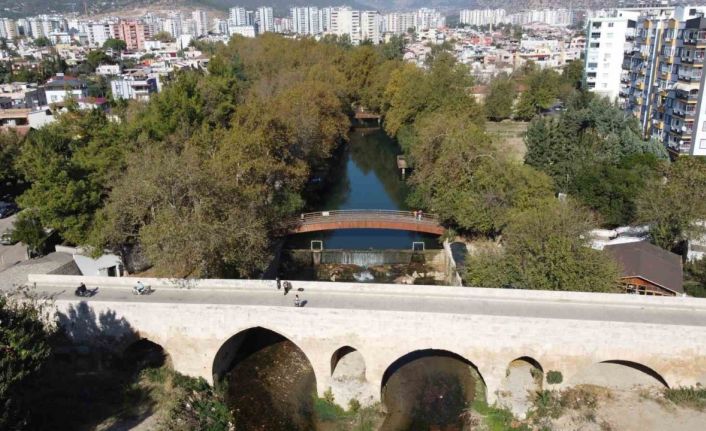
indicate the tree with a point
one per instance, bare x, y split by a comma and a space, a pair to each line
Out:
42, 42
412, 92
612, 190
70, 165
485, 186
29, 230
24, 350
676, 207
545, 247
498, 103
541, 93
115, 44
9, 152
95, 58
591, 130
163, 37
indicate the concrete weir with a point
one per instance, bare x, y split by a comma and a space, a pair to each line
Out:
362, 330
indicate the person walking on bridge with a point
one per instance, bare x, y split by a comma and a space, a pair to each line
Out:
297, 302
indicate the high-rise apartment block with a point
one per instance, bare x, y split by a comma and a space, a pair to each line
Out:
133, 33
607, 40
663, 78
265, 20
481, 17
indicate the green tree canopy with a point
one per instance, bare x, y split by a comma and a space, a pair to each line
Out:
70, 165
498, 103
591, 130
484, 187
412, 92
24, 350
115, 44
542, 91
545, 247
675, 208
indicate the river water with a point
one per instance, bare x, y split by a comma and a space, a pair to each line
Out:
365, 177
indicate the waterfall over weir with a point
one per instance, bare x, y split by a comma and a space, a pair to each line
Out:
364, 258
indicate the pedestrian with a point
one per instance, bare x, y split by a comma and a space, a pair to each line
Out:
279, 283
421, 215
297, 303
287, 287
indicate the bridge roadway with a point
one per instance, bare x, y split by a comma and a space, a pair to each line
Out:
382, 297
200, 325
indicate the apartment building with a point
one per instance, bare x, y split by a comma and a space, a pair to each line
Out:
607, 40
663, 80
133, 33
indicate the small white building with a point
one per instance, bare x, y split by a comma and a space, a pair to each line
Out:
137, 87
60, 88
108, 70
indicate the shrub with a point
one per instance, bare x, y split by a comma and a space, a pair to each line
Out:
554, 377
692, 396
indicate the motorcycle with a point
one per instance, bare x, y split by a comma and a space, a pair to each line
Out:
147, 290
83, 292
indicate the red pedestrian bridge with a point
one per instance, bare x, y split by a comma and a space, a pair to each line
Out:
366, 219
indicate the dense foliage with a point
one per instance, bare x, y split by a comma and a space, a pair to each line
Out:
675, 207
24, 349
545, 247
595, 151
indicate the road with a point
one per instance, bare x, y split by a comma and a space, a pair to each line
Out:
10, 254
378, 299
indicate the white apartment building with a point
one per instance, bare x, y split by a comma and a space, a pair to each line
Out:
425, 19
8, 28
306, 20
349, 23
398, 22
200, 19
481, 17
606, 41
265, 20
371, 26
237, 16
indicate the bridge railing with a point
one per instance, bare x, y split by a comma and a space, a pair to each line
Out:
322, 216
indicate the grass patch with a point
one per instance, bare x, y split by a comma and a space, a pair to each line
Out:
355, 418
494, 418
692, 397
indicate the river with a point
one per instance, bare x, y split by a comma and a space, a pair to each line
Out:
365, 177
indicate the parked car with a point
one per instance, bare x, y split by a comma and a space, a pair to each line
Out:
6, 238
7, 209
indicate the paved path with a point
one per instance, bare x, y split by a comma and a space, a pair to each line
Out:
376, 299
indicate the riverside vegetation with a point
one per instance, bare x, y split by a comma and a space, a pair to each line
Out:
200, 180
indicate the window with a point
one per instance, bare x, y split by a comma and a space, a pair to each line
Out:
595, 45
702, 144
610, 24
703, 126
592, 65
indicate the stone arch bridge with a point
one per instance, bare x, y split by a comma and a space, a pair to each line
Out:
197, 322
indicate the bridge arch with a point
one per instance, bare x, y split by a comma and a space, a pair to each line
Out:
144, 353
349, 377
619, 374
430, 383
231, 349
524, 377
268, 378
